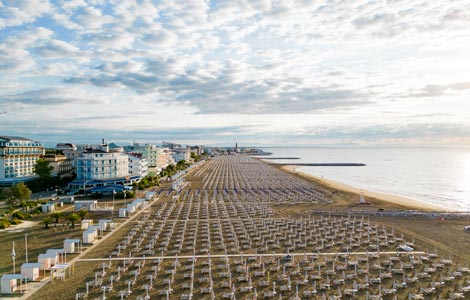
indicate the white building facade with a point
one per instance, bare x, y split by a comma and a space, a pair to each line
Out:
101, 165
17, 159
137, 166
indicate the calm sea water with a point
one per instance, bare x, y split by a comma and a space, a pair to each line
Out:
432, 175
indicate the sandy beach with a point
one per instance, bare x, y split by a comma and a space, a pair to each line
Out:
370, 196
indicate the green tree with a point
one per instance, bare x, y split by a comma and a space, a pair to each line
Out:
82, 213
73, 217
57, 215
43, 169
5, 195
181, 165
20, 192
47, 220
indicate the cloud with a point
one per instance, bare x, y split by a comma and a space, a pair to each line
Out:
24, 11
56, 49
91, 18
439, 90
293, 68
52, 96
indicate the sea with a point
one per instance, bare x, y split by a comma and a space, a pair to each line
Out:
431, 175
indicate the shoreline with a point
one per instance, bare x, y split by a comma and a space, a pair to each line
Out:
371, 196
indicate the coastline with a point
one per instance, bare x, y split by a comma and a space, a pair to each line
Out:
374, 197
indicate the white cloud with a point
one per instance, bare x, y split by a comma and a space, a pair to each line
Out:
23, 11
91, 18
295, 68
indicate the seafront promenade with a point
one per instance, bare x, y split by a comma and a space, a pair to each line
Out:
224, 236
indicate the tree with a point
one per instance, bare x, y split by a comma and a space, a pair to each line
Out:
57, 215
82, 213
47, 220
73, 217
43, 169
5, 194
181, 165
20, 192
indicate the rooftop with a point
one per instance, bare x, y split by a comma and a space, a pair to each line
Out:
14, 138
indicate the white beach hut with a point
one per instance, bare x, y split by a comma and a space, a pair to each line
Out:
131, 207
105, 224
122, 212
9, 283
90, 235
47, 208
47, 260
89, 205
72, 245
30, 271
86, 223
150, 196
60, 254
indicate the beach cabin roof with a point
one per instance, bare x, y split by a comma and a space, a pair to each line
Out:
30, 265
12, 276
85, 201
72, 241
48, 255
51, 251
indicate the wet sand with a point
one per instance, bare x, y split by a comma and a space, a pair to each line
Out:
369, 196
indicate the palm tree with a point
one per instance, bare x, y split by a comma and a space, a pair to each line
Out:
82, 213
73, 217
57, 215
47, 220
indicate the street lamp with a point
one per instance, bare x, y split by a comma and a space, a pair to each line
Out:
26, 245
112, 211
13, 256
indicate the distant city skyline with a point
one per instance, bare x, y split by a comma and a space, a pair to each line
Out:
364, 73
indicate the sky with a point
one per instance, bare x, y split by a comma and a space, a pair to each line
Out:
354, 72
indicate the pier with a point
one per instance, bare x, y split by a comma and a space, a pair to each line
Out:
279, 158
322, 164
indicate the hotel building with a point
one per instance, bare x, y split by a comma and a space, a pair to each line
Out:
18, 156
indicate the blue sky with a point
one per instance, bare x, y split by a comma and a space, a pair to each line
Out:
257, 72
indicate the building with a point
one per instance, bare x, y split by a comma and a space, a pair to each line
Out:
137, 165
89, 205
63, 166
181, 153
164, 159
18, 156
157, 158
197, 150
170, 145
100, 167
69, 150
178, 156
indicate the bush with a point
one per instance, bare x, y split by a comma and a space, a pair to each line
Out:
21, 215
36, 211
31, 204
130, 194
97, 195
15, 221
4, 224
